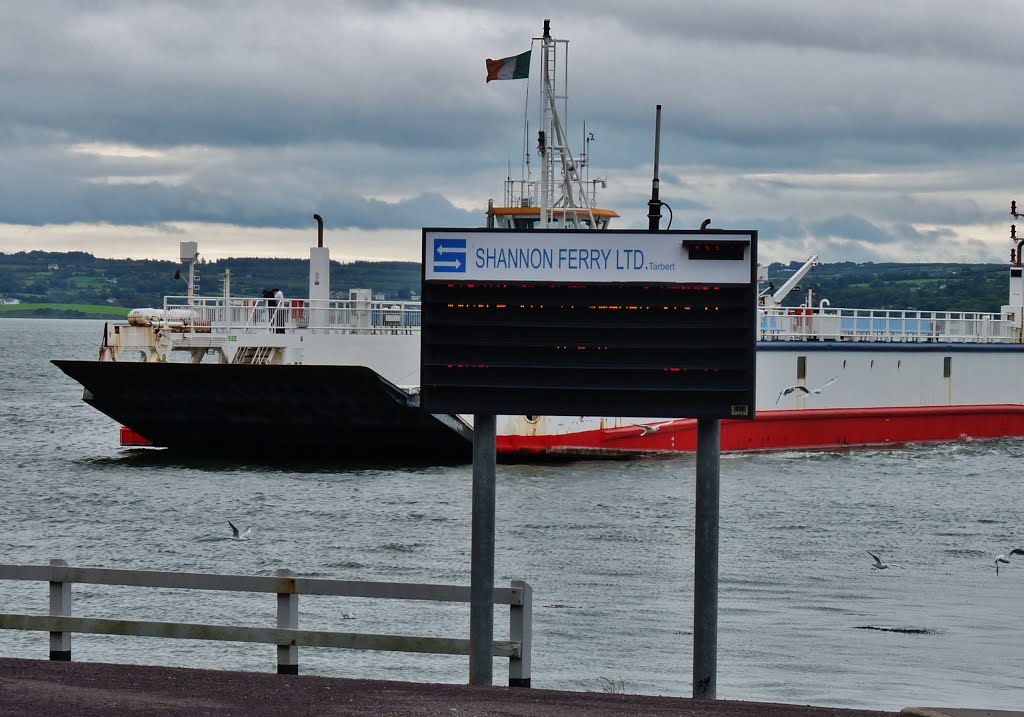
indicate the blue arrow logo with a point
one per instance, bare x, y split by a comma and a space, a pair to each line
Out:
450, 256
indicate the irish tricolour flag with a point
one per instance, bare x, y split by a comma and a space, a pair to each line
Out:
516, 67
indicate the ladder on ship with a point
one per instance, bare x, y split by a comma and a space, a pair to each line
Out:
257, 355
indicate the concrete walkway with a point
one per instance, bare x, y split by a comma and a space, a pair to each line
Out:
957, 712
37, 688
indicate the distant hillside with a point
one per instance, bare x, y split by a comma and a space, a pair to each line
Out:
80, 278
924, 287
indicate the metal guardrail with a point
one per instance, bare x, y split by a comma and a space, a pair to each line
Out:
286, 635
219, 315
836, 324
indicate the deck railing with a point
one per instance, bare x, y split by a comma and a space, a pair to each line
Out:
286, 635
835, 324
219, 315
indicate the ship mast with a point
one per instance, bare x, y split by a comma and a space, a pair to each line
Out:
551, 138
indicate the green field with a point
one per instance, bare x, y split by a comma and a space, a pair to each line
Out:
62, 311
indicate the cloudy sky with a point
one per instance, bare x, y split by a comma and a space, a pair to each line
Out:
869, 130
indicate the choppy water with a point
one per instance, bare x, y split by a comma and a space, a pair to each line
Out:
607, 546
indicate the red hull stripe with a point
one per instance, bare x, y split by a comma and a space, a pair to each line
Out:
131, 438
779, 430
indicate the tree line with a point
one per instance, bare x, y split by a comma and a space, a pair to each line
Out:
892, 286
81, 278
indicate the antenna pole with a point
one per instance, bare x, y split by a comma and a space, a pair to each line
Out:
545, 125
654, 205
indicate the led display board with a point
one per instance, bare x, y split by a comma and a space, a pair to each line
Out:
589, 323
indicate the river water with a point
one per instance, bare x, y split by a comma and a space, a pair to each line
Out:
607, 547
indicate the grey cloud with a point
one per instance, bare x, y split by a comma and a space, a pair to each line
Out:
856, 251
851, 227
939, 28
931, 237
376, 113
51, 188
235, 74
952, 211
144, 204
769, 229
979, 252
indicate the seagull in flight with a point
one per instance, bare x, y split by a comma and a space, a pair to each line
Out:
647, 429
879, 565
825, 385
235, 535
1001, 559
804, 391
1005, 560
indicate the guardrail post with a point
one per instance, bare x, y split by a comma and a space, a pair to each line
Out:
520, 627
705, 558
60, 604
481, 569
287, 617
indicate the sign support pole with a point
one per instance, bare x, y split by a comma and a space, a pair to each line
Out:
481, 581
705, 559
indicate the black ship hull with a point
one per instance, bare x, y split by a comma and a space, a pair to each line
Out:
335, 413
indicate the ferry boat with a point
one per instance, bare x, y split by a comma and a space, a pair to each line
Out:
339, 378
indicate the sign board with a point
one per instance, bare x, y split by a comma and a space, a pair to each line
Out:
608, 323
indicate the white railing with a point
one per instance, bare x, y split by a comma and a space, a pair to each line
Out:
287, 635
827, 323
219, 315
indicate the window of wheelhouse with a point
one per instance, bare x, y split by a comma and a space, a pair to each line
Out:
581, 221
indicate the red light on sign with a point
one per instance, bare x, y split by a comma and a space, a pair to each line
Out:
715, 251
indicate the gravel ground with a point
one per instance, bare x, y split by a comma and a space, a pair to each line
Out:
36, 688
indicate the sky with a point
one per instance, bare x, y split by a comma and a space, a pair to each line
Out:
857, 131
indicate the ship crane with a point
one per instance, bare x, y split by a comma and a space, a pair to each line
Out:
776, 298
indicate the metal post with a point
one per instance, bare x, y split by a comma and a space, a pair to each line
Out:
546, 163
60, 604
520, 628
288, 618
227, 300
481, 581
654, 205
705, 559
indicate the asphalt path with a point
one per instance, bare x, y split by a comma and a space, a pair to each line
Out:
38, 688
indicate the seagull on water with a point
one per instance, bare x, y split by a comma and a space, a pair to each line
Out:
879, 565
235, 535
